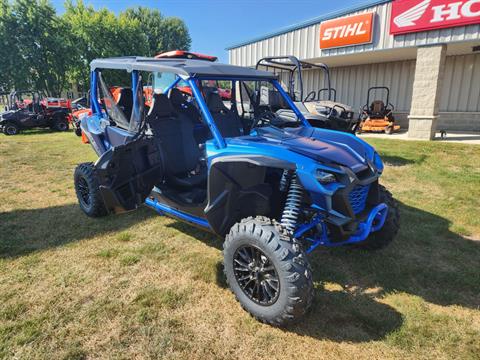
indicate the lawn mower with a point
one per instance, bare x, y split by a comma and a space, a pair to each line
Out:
30, 109
274, 189
378, 115
321, 112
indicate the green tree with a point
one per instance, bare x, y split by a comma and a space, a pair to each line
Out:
44, 45
175, 35
100, 34
10, 61
163, 33
42, 50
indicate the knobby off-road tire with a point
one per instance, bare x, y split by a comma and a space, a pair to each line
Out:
60, 123
88, 192
10, 129
285, 260
383, 237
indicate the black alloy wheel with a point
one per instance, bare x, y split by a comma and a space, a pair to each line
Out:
83, 191
256, 275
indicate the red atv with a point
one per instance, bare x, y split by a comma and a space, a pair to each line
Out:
31, 109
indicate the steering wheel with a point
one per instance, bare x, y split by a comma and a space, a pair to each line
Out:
265, 116
310, 96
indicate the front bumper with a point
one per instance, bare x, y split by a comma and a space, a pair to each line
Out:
373, 222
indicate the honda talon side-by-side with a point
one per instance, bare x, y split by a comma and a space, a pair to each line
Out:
31, 109
275, 189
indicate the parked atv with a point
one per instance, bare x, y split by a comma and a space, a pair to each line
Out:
330, 107
28, 110
320, 111
275, 189
378, 115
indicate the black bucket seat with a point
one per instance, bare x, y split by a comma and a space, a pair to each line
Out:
181, 105
228, 122
174, 133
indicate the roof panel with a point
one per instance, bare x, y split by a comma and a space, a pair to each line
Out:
182, 67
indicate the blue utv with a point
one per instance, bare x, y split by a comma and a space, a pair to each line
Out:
275, 189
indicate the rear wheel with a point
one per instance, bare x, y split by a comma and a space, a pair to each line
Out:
383, 237
88, 191
11, 129
60, 124
389, 129
267, 271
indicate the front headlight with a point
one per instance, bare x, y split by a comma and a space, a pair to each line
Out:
324, 177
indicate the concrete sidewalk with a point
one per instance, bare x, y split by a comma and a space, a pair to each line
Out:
452, 137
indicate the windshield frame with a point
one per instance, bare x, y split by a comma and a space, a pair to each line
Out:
192, 81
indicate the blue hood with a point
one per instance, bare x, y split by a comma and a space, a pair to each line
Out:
324, 146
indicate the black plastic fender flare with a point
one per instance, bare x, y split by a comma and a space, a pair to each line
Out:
237, 189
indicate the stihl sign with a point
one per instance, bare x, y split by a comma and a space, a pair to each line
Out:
352, 30
422, 15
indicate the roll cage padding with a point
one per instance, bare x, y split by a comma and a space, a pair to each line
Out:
237, 189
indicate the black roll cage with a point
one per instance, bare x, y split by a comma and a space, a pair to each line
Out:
293, 65
388, 105
36, 96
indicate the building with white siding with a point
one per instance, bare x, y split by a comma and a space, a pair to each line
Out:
426, 51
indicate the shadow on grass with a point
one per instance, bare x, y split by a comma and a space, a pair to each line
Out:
344, 316
335, 315
426, 260
393, 160
26, 231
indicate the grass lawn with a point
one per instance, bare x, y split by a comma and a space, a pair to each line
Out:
143, 286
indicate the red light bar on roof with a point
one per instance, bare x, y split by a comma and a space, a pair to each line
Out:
180, 54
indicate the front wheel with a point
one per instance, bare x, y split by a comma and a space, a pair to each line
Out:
383, 237
267, 271
389, 129
11, 129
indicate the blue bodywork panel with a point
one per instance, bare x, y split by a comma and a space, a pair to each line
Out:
322, 149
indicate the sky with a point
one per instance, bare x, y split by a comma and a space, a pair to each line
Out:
217, 24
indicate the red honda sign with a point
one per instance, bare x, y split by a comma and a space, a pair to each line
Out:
421, 15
